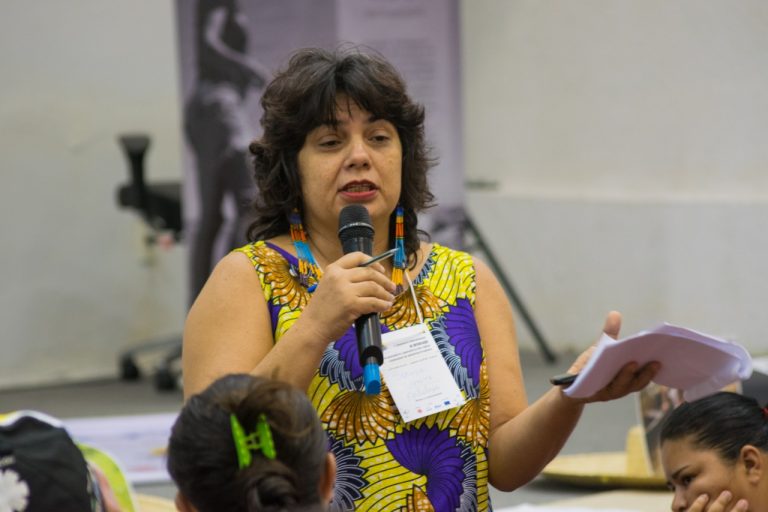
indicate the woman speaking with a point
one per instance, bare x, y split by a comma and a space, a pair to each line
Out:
339, 129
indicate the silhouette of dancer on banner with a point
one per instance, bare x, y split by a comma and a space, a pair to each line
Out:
218, 131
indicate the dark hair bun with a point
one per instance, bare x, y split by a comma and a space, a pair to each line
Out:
271, 488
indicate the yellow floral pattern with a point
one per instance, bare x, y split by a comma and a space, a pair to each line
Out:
436, 463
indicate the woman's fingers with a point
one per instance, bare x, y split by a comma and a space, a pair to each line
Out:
629, 379
370, 290
356, 259
354, 299
356, 282
719, 505
348, 291
611, 327
699, 504
612, 324
644, 376
347, 268
623, 379
369, 275
581, 361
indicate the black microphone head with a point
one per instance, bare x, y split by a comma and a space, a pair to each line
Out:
354, 222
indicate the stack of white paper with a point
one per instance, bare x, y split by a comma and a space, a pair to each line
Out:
696, 363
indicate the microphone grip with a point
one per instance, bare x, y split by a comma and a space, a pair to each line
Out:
370, 353
369, 334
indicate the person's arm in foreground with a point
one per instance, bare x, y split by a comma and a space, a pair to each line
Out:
523, 439
229, 329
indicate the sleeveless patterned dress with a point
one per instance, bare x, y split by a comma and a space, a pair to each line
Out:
438, 462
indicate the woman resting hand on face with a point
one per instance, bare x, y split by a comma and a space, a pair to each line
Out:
339, 129
715, 454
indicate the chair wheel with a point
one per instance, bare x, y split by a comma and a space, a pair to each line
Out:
128, 369
165, 380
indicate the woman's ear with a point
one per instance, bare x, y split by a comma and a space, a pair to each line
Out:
328, 478
183, 504
754, 462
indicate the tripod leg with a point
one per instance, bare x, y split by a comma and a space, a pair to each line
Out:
514, 297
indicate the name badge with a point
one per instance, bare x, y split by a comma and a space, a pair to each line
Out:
416, 374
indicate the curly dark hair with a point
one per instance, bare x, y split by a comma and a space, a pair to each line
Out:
302, 97
202, 458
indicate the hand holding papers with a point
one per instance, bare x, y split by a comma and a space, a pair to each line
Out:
694, 362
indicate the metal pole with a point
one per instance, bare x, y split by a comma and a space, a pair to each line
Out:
516, 300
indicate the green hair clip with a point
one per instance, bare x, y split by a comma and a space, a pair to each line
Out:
261, 439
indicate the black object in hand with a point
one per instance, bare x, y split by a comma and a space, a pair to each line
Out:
564, 379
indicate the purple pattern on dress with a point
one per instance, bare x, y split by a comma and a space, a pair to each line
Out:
274, 314
437, 455
453, 360
290, 258
462, 331
449, 464
469, 495
347, 349
346, 346
274, 308
349, 477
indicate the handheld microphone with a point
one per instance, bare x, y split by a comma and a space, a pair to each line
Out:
356, 234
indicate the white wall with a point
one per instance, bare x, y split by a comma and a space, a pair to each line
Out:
628, 139
77, 282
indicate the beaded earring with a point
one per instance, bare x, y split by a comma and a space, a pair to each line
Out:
398, 267
309, 270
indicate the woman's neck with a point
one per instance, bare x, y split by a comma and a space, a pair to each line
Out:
326, 246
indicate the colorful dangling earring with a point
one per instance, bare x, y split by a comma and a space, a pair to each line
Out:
398, 267
309, 270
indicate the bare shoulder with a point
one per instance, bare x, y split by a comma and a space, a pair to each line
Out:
481, 268
234, 262
492, 306
496, 324
232, 288
485, 278
233, 272
228, 327
425, 249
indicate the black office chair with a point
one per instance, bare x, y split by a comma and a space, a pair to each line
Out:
159, 204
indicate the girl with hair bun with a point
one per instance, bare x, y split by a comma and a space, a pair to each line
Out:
250, 444
715, 454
